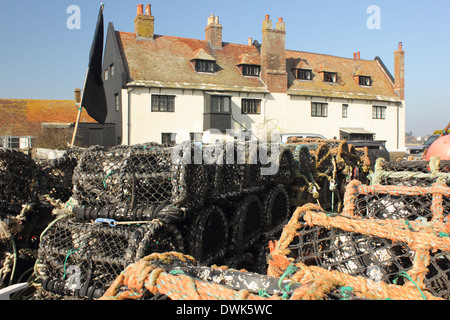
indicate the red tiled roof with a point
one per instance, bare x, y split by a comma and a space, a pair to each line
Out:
24, 117
347, 70
166, 62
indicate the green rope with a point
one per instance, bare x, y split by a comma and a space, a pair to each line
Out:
65, 261
443, 235
289, 271
263, 293
110, 173
176, 272
409, 226
345, 291
404, 274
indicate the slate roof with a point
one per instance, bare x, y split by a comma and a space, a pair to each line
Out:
167, 62
24, 117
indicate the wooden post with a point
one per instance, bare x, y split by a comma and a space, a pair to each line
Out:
79, 112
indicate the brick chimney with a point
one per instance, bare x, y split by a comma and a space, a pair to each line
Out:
213, 32
399, 71
273, 56
144, 24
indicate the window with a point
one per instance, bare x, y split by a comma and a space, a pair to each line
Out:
111, 70
205, 66
166, 138
251, 106
163, 103
365, 81
116, 101
217, 104
304, 74
378, 112
329, 77
251, 70
344, 110
319, 109
196, 136
106, 75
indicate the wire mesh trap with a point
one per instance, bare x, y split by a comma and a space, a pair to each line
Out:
18, 181
411, 173
380, 252
215, 211
23, 215
81, 259
143, 175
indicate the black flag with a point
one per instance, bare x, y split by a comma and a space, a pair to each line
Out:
94, 97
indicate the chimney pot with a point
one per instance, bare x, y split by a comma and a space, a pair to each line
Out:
267, 17
77, 95
400, 46
358, 55
354, 55
148, 10
280, 19
140, 9
213, 31
250, 41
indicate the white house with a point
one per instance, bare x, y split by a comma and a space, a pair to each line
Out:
157, 85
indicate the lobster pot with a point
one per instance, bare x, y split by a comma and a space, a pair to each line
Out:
140, 175
246, 224
351, 253
275, 209
18, 181
207, 235
425, 204
380, 250
420, 173
416, 209
82, 259
56, 177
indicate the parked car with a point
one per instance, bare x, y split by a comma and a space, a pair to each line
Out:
286, 136
417, 151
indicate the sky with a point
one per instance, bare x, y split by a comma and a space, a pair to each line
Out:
45, 44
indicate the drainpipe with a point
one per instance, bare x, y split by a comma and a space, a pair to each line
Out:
129, 90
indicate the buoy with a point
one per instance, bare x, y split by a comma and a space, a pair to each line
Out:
440, 148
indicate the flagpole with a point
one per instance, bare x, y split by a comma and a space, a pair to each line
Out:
81, 100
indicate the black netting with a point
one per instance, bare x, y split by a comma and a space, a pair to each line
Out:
143, 175
82, 259
55, 177
350, 253
371, 257
18, 181
412, 173
397, 202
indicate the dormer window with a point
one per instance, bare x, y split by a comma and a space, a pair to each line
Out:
251, 70
205, 66
303, 74
365, 81
330, 77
